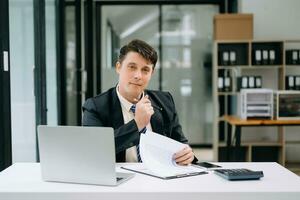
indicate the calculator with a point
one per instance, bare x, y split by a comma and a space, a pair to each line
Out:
239, 174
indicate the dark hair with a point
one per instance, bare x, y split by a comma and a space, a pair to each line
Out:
140, 47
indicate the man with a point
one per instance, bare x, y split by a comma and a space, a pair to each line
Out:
130, 109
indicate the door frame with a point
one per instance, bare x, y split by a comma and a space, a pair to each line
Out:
5, 105
61, 6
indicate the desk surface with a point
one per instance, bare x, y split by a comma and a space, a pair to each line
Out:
234, 120
23, 181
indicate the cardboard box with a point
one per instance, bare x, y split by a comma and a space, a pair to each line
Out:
233, 27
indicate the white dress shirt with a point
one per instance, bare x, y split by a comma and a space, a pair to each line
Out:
131, 153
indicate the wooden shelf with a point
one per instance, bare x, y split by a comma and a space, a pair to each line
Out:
256, 41
244, 61
233, 66
293, 66
292, 142
293, 166
265, 66
264, 143
251, 67
234, 120
227, 93
232, 41
255, 144
292, 41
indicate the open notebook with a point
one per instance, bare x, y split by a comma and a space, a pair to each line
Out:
157, 155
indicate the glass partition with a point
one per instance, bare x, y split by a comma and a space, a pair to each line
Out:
187, 38
22, 80
51, 62
121, 24
71, 68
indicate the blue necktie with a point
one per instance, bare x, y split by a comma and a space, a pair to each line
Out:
132, 109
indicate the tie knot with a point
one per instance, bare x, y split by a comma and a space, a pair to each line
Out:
132, 108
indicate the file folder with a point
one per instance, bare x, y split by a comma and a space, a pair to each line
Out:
147, 172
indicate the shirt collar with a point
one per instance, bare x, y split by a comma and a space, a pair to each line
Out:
124, 102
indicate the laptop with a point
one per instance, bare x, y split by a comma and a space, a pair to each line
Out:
76, 154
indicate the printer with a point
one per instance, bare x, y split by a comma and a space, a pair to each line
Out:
256, 103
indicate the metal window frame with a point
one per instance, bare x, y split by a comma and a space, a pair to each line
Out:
40, 88
5, 105
40, 62
78, 54
61, 5
89, 47
61, 61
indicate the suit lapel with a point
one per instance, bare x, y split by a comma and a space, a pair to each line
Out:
117, 115
157, 119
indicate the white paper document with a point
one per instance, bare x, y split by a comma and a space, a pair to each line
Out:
157, 153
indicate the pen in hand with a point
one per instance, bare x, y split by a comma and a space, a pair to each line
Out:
154, 106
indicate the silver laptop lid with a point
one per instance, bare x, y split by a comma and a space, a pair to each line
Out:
77, 154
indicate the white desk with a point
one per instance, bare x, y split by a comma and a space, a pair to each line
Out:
23, 181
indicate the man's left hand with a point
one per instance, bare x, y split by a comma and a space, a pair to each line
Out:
184, 156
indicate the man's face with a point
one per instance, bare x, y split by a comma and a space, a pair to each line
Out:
134, 75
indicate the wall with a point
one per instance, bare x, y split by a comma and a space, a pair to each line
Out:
273, 19
278, 20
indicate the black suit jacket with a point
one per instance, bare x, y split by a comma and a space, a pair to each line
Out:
105, 110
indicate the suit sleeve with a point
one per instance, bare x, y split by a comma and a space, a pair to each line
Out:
90, 115
126, 135
176, 132
176, 129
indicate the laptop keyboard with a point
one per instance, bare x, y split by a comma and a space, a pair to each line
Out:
119, 178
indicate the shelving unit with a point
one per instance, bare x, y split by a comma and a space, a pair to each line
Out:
289, 70
245, 60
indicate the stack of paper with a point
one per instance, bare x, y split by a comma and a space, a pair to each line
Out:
157, 155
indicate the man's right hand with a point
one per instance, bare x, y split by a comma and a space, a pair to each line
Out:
143, 112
